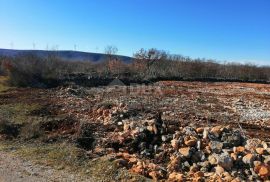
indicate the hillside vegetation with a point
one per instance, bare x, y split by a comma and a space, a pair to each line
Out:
148, 65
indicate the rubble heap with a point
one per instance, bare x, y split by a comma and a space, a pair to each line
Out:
217, 153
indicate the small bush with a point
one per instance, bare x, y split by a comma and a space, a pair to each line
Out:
85, 137
31, 131
8, 129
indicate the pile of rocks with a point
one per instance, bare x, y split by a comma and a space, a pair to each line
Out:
217, 153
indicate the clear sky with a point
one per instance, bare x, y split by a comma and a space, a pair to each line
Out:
233, 30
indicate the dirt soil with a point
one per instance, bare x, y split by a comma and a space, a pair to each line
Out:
15, 169
243, 105
198, 103
104, 120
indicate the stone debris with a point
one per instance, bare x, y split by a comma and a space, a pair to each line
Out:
189, 154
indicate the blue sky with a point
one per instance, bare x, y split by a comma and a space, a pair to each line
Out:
232, 30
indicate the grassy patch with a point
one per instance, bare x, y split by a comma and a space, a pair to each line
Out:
55, 155
67, 156
18, 113
3, 86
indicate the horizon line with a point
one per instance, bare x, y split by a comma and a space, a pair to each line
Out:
252, 62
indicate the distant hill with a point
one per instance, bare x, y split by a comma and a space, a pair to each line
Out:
65, 55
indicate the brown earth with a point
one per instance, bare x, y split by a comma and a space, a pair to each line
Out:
112, 115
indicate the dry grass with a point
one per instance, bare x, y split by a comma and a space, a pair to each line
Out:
56, 155
18, 113
67, 156
3, 86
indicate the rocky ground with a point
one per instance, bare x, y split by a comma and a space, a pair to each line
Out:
168, 131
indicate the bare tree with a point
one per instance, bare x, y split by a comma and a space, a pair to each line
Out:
111, 52
150, 57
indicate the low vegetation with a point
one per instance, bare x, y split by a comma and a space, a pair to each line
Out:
147, 65
3, 84
17, 113
67, 156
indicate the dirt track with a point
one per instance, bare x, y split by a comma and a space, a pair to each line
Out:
14, 169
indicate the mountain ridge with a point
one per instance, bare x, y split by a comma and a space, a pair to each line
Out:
67, 55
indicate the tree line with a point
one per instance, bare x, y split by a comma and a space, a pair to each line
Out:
147, 65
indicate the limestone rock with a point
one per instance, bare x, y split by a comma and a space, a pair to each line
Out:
216, 146
175, 177
186, 152
263, 171
216, 131
219, 170
260, 150
267, 160
239, 149
175, 144
252, 144
200, 130
198, 174
213, 159
225, 161
191, 142
249, 158
205, 133
231, 139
